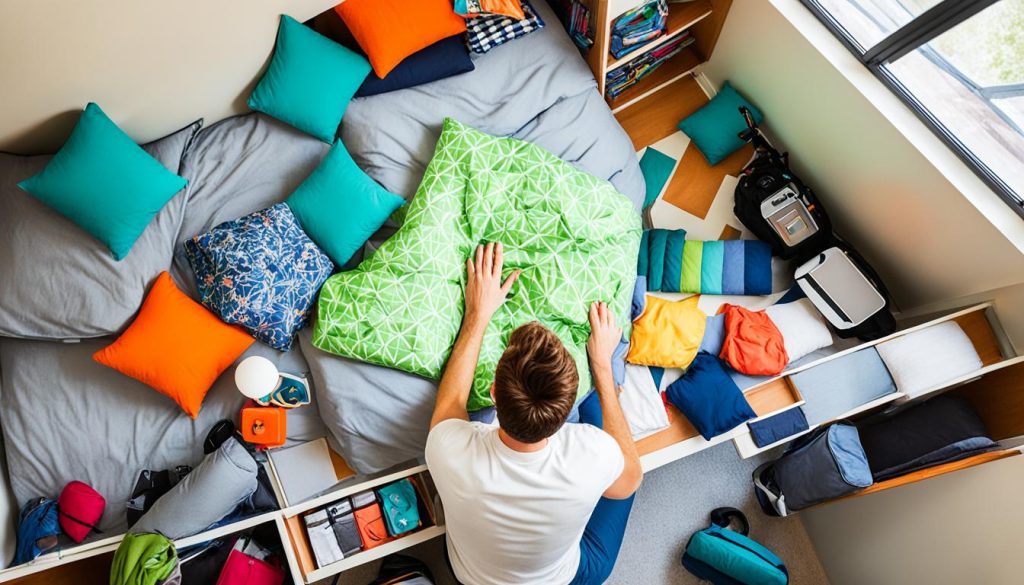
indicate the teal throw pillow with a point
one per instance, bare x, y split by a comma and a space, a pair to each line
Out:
340, 207
310, 80
104, 182
715, 128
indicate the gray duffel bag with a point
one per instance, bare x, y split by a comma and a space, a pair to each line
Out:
826, 464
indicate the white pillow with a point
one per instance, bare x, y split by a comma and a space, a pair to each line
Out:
929, 357
802, 327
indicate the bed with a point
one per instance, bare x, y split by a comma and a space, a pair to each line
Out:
64, 417
537, 89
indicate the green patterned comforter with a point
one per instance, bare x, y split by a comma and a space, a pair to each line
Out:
573, 235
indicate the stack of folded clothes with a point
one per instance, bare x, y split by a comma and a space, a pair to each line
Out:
622, 78
638, 26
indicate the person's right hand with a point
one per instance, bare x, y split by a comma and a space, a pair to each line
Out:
604, 337
485, 291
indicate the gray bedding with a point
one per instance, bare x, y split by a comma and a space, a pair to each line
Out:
88, 293
65, 417
517, 89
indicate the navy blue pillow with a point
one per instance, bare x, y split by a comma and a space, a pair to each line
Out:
709, 398
444, 58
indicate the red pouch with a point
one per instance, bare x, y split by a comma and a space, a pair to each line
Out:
242, 569
79, 508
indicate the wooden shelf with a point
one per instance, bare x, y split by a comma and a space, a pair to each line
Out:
656, 116
668, 72
681, 16
766, 398
935, 472
979, 330
301, 556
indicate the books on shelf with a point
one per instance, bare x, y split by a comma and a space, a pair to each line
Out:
622, 78
579, 25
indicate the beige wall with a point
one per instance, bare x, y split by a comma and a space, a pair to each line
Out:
927, 240
153, 66
932, 246
958, 529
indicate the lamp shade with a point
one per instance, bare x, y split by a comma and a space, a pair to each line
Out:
256, 377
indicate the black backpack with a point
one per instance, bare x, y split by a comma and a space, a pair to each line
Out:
765, 178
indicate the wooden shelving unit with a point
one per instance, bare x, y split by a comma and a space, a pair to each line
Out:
996, 390
680, 18
672, 70
701, 18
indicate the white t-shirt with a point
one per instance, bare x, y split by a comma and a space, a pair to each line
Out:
514, 517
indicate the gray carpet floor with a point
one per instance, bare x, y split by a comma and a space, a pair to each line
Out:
673, 502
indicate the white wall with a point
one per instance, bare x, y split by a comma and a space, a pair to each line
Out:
961, 528
928, 241
934, 249
152, 66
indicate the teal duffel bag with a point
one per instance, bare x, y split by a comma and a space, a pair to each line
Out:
728, 557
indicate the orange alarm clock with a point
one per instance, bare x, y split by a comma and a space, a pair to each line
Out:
264, 426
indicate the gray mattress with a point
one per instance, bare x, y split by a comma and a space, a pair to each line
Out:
65, 417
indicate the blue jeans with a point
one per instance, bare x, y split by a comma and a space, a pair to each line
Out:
602, 538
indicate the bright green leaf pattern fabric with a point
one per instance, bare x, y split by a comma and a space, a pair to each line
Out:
573, 235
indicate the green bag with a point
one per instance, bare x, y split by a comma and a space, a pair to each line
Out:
399, 507
143, 559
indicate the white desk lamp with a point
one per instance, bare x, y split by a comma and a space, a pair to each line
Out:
256, 377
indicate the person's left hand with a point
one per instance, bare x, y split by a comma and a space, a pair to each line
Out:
484, 290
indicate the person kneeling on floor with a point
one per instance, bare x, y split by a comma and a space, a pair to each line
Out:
532, 500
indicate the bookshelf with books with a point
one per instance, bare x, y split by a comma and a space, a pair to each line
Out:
657, 44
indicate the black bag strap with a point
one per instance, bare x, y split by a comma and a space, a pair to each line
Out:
722, 517
77, 521
221, 431
753, 135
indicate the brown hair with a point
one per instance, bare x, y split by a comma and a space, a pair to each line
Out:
535, 384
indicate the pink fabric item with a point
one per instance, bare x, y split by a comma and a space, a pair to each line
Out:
79, 509
242, 569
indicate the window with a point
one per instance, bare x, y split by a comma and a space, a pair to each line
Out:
959, 64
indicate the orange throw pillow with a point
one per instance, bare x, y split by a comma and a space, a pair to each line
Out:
175, 346
753, 344
390, 30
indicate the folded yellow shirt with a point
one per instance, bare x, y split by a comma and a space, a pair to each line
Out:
667, 333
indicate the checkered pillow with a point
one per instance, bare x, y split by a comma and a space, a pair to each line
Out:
483, 33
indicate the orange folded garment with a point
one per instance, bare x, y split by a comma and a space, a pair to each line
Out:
753, 344
370, 524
